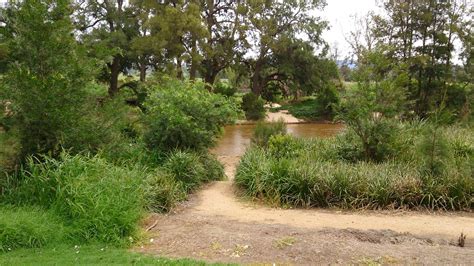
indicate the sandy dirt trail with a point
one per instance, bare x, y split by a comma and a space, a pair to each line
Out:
216, 226
220, 199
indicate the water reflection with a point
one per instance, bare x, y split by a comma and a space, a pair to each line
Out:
236, 138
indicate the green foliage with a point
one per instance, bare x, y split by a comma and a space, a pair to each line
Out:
424, 48
185, 167
458, 100
284, 35
253, 106
314, 108
185, 115
284, 146
265, 130
311, 173
8, 153
214, 169
435, 152
193, 169
162, 192
327, 99
45, 84
28, 227
97, 200
225, 89
369, 119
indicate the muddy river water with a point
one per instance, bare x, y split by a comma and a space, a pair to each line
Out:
236, 138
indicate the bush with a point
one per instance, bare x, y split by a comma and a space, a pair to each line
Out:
225, 89
184, 115
375, 138
28, 227
253, 107
97, 200
265, 130
45, 81
327, 99
284, 146
193, 169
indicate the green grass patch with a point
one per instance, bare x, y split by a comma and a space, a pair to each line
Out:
87, 255
307, 109
28, 227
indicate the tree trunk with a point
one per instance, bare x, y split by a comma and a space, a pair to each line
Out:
142, 70
193, 69
114, 74
179, 68
210, 77
257, 80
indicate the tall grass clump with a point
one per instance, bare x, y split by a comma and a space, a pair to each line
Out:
193, 169
264, 130
28, 227
97, 200
312, 173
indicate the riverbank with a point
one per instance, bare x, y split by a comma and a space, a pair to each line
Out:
285, 116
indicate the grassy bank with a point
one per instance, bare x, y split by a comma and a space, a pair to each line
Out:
331, 172
87, 255
309, 109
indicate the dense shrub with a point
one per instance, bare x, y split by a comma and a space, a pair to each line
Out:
458, 100
311, 173
46, 81
28, 227
326, 100
372, 139
253, 106
225, 89
282, 146
264, 130
97, 200
185, 115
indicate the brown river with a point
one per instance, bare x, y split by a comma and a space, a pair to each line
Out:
236, 138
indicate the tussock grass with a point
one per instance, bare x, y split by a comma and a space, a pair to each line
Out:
312, 173
97, 200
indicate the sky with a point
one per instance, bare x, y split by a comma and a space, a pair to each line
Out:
338, 13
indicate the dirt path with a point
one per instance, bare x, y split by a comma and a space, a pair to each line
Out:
214, 225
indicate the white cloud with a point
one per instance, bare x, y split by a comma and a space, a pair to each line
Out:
339, 15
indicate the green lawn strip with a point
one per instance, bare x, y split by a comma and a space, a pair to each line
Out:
87, 255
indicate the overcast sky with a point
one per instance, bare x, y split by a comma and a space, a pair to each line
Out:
338, 13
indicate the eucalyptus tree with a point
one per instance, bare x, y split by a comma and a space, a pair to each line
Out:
282, 35
224, 41
108, 27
